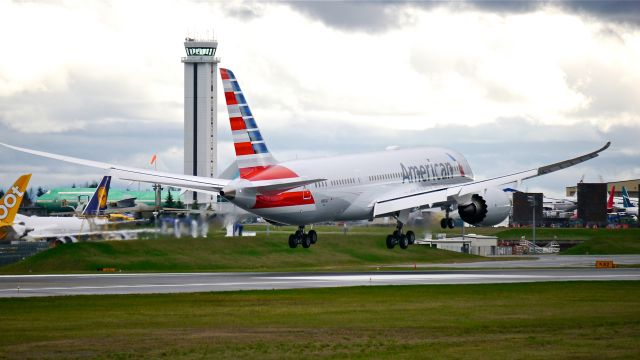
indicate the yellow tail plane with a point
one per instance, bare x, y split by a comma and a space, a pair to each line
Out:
11, 201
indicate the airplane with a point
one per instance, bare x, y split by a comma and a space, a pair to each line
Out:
61, 200
629, 207
554, 205
626, 199
394, 182
60, 229
9, 205
612, 204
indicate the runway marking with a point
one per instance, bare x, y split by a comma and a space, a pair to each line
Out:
386, 277
171, 283
114, 275
149, 286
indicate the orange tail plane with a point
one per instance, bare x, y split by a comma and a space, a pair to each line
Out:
12, 199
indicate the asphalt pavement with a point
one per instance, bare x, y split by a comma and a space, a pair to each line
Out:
148, 283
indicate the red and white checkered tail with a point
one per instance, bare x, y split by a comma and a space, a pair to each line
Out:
251, 151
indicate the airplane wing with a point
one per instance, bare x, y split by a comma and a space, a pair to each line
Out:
392, 203
6, 232
126, 202
201, 184
136, 174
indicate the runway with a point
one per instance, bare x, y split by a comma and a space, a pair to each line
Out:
148, 283
538, 261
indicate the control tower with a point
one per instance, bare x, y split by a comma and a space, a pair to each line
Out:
200, 113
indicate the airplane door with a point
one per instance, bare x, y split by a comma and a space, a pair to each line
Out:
306, 194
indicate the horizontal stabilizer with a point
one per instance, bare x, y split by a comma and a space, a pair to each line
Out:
273, 187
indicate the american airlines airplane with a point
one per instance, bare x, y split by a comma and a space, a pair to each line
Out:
349, 187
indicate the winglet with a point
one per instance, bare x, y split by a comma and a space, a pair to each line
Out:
567, 163
98, 202
10, 202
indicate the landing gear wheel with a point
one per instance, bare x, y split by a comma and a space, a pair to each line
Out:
293, 242
391, 241
411, 237
443, 223
450, 223
313, 236
404, 242
306, 242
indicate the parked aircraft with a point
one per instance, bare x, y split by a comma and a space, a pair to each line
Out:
629, 207
611, 204
60, 200
339, 188
9, 205
64, 229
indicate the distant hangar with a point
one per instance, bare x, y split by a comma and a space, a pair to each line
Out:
630, 185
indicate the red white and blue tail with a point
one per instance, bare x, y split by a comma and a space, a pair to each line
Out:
251, 151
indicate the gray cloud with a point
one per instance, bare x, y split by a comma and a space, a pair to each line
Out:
506, 146
246, 10
370, 16
627, 12
84, 100
380, 16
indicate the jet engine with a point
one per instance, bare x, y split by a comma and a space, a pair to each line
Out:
488, 209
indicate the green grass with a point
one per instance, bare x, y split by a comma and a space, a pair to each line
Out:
356, 251
362, 248
586, 320
593, 241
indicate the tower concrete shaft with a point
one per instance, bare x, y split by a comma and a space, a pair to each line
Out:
200, 113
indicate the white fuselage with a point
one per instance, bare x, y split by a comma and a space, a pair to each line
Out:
354, 183
37, 227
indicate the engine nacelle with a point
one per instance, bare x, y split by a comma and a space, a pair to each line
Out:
488, 209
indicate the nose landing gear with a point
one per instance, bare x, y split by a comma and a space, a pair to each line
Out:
447, 222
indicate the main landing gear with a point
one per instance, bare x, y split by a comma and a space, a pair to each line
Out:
404, 240
302, 238
447, 222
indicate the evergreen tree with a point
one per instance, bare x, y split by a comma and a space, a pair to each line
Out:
168, 202
73, 186
94, 184
26, 199
179, 204
1, 193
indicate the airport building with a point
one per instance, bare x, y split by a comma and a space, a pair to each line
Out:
630, 185
200, 112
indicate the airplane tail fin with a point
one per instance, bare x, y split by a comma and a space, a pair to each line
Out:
610, 201
10, 202
626, 202
98, 202
251, 150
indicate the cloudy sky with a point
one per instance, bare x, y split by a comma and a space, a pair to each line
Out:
513, 85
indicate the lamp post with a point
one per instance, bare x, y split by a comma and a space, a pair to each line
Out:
532, 200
